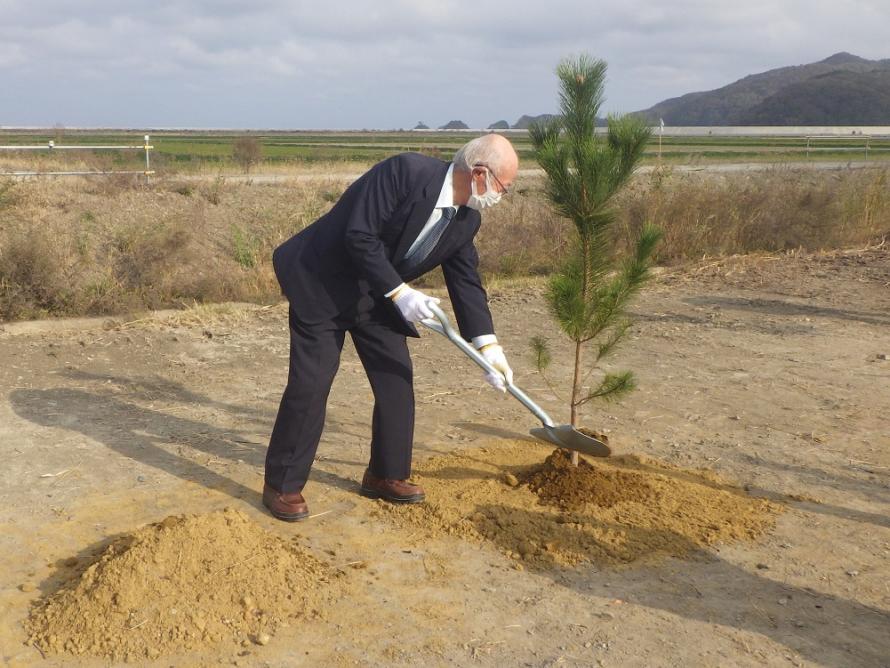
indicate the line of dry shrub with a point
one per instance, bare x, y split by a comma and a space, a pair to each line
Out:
112, 245
704, 214
780, 209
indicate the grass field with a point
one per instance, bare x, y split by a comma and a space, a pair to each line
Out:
200, 151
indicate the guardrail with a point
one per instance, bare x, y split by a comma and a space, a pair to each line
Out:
51, 146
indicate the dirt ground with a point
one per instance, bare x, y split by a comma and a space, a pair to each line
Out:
773, 372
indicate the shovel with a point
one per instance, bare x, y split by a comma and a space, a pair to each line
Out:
563, 435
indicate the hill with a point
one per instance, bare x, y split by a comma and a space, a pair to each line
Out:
526, 120
817, 91
836, 98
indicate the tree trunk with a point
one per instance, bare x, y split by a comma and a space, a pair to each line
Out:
577, 380
576, 395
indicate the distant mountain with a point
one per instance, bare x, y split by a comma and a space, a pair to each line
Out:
454, 125
499, 125
421, 126
841, 90
836, 98
525, 121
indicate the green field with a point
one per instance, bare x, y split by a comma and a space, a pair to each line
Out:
187, 151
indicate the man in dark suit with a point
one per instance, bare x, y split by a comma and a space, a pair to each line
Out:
348, 271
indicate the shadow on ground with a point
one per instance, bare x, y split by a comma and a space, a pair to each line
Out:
155, 438
825, 629
780, 307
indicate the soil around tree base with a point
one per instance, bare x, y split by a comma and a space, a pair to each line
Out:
613, 511
559, 483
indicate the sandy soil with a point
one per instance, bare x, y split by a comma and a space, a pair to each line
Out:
774, 372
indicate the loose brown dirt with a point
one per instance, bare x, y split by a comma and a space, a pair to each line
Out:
603, 484
610, 512
185, 584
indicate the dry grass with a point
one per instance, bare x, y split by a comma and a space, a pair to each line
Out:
198, 315
776, 210
107, 245
115, 245
702, 215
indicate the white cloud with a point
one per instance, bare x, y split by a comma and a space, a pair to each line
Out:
11, 54
390, 63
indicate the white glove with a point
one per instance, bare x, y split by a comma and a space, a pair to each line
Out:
494, 355
413, 303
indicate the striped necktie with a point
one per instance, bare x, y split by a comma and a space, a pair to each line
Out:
425, 247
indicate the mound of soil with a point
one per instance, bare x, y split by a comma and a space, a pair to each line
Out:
560, 483
183, 584
610, 511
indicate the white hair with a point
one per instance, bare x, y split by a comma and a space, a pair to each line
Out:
482, 150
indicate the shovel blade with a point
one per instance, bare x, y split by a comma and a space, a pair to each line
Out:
566, 436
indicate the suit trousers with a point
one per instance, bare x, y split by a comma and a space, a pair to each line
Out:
314, 359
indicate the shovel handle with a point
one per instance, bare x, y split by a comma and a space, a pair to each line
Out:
442, 325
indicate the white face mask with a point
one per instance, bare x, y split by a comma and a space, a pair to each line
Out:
489, 198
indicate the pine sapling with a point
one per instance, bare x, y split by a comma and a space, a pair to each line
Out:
593, 285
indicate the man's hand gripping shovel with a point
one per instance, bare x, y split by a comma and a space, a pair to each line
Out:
563, 435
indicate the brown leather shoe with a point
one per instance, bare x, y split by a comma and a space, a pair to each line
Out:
289, 507
397, 491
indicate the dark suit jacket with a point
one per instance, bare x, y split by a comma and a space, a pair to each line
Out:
349, 255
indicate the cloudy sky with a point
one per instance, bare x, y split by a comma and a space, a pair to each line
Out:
390, 63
